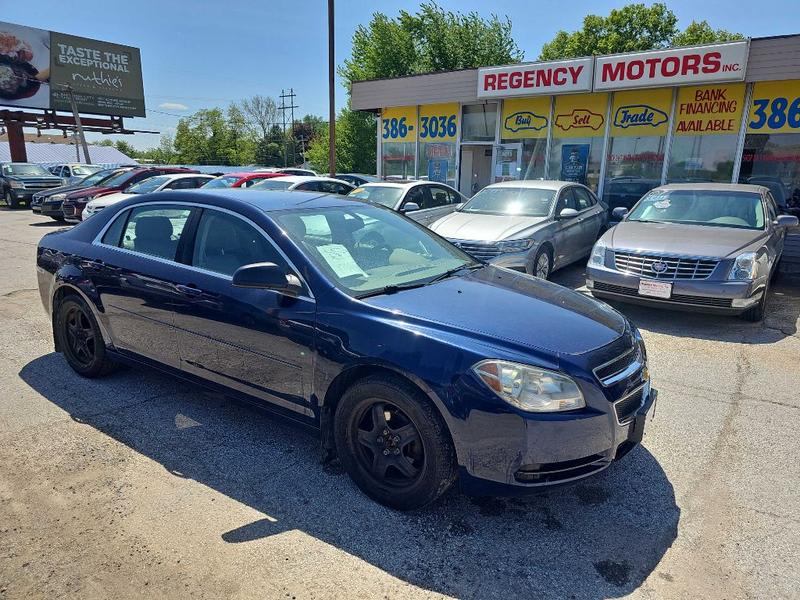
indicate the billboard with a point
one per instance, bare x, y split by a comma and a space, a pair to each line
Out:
38, 67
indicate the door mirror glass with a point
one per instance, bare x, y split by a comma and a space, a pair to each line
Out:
619, 212
567, 213
267, 276
784, 221
409, 207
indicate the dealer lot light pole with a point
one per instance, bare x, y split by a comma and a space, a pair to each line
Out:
331, 96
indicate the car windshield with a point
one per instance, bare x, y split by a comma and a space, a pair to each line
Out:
118, 179
742, 210
96, 178
517, 201
26, 170
387, 195
277, 183
151, 184
365, 249
225, 181
84, 170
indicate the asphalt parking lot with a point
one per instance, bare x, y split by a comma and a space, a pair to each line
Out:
139, 486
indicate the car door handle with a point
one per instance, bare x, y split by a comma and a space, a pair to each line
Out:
189, 290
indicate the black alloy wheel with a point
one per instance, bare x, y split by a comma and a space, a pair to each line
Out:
393, 443
80, 339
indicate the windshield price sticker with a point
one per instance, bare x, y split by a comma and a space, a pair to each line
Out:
340, 260
399, 124
438, 122
775, 107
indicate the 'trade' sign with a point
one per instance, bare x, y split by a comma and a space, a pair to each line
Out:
558, 77
677, 66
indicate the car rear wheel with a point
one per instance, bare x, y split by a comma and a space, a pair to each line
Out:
543, 263
393, 443
80, 339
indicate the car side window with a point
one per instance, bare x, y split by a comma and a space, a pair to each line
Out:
439, 196
250, 182
114, 232
582, 199
155, 230
566, 200
310, 186
416, 195
223, 243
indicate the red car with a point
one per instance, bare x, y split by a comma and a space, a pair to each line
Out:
76, 201
236, 180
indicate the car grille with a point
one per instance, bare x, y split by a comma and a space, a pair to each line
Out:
69, 210
627, 407
675, 299
40, 185
621, 367
480, 250
666, 267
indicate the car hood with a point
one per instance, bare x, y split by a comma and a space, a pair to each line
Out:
62, 189
474, 226
498, 305
111, 198
674, 238
35, 178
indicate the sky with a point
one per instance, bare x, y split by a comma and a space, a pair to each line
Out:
200, 54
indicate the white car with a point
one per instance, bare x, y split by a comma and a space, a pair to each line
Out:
423, 201
176, 181
298, 183
287, 171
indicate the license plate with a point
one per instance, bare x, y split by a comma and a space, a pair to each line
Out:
655, 289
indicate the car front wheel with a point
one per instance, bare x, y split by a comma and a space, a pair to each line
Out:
543, 263
10, 202
80, 339
393, 443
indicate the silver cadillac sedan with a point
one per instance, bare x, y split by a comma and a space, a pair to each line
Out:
531, 226
711, 247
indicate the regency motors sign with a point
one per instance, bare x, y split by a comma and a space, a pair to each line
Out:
674, 66
38, 68
532, 79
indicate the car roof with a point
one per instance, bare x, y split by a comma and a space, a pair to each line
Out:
243, 174
274, 200
304, 178
537, 184
173, 176
402, 184
715, 187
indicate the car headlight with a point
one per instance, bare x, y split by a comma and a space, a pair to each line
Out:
17, 185
58, 197
598, 256
747, 266
530, 388
516, 245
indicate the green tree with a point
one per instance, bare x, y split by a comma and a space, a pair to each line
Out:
431, 39
702, 33
126, 148
211, 137
632, 28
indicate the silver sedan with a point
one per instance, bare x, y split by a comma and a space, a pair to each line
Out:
531, 226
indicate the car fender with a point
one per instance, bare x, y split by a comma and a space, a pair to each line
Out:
69, 278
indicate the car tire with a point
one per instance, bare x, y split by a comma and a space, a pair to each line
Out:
405, 461
543, 263
80, 340
10, 201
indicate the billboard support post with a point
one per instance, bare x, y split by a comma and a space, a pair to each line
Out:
78, 126
16, 141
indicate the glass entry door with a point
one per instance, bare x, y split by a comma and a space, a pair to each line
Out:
508, 162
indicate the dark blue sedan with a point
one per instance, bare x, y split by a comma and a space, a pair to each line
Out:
418, 364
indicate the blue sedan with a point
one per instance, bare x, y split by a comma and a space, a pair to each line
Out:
419, 365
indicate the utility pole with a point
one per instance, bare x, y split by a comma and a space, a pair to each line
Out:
291, 95
331, 96
78, 126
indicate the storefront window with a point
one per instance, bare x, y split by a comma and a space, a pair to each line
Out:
639, 127
771, 155
523, 133
706, 127
398, 141
479, 123
438, 134
578, 129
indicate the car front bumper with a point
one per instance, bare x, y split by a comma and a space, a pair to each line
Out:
515, 454
700, 295
517, 261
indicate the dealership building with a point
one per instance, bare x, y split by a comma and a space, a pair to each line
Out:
621, 124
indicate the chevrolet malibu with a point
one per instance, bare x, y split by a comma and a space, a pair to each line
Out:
710, 247
531, 226
419, 365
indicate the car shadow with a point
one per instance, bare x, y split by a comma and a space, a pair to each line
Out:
49, 223
781, 320
597, 539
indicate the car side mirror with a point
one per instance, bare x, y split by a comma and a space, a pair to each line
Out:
785, 221
567, 213
267, 276
620, 212
409, 207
